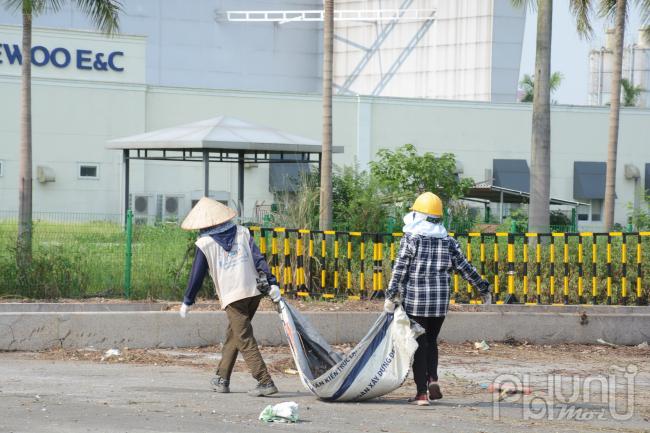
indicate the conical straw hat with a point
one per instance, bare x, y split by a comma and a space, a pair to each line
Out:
207, 213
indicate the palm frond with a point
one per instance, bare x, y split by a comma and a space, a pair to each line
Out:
527, 84
644, 8
607, 9
556, 80
532, 4
103, 13
631, 92
582, 11
34, 7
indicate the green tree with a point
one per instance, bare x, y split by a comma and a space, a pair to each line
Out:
640, 216
104, 14
631, 92
359, 204
404, 174
527, 84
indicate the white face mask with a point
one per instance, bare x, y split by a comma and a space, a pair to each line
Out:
416, 223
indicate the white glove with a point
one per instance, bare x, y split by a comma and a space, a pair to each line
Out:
389, 306
184, 309
274, 293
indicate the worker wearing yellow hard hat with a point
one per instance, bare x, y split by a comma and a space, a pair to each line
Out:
421, 283
429, 204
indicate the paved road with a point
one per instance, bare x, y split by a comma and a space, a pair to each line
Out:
72, 396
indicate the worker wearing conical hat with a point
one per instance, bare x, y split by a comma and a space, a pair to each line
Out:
421, 282
241, 278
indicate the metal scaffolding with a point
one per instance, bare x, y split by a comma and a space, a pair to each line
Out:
283, 17
385, 19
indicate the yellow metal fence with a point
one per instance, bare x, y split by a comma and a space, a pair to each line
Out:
550, 268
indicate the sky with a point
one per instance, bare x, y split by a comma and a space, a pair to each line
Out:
570, 53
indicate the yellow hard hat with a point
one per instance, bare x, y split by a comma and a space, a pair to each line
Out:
428, 203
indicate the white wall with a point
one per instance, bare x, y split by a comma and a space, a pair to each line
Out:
186, 46
75, 113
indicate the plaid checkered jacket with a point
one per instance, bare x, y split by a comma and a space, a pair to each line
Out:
422, 274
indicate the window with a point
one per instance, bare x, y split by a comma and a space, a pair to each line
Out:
88, 171
584, 212
596, 209
2, 168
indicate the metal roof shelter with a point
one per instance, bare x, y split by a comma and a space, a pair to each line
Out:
219, 139
498, 194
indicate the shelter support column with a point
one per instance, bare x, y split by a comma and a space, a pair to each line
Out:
240, 184
125, 160
206, 173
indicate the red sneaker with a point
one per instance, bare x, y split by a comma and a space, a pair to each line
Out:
420, 400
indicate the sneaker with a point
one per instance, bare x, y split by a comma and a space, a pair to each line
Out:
219, 384
434, 391
263, 390
420, 400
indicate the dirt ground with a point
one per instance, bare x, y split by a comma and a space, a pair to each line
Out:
139, 390
462, 365
213, 305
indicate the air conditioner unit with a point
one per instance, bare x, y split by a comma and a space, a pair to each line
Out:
172, 207
141, 207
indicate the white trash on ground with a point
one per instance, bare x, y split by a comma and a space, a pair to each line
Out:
481, 346
110, 353
379, 364
605, 343
281, 412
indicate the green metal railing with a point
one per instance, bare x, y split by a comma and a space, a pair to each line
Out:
83, 255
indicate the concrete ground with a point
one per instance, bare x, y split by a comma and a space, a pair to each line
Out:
167, 391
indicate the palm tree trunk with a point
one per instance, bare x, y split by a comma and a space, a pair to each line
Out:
325, 221
540, 173
614, 109
24, 242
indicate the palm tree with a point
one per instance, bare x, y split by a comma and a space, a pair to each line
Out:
614, 108
104, 14
540, 155
631, 92
618, 9
325, 220
527, 84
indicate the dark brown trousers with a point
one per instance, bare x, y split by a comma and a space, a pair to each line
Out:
240, 338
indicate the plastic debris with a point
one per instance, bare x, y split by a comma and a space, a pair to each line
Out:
291, 371
606, 343
281, 412
110, 353
509, 388
506, 389
481, 346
